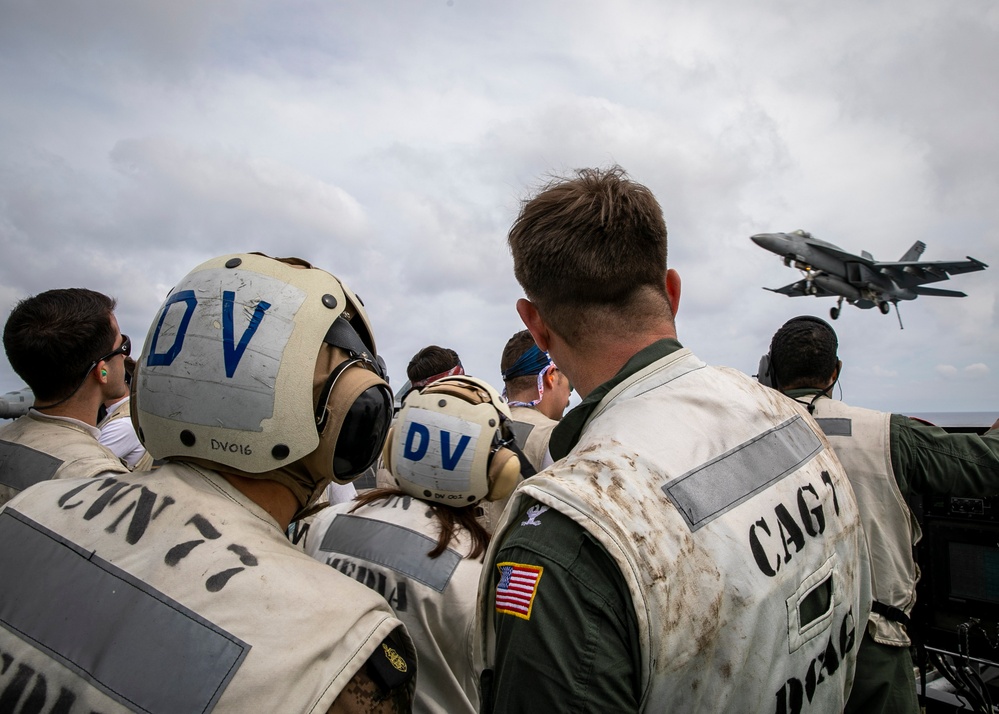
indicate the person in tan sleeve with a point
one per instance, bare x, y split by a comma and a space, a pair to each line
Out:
66, 345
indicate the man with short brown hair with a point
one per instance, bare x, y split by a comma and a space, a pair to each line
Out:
430, 364
66, 345
695, 546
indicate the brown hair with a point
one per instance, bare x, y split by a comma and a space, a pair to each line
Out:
591, 242
431, 360
451, 520
51, 339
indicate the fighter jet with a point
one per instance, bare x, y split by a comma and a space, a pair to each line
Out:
15, 404
830, 271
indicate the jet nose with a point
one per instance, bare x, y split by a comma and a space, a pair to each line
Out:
770, 241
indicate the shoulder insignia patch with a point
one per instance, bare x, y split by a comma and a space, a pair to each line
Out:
532, 515
387, 666
394, 658
517, 588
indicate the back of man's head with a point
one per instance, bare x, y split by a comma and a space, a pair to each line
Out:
595, 240
515, 348
432, 363
51, 338
803, 353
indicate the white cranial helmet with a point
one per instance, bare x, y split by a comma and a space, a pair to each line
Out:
263, 366
449, 444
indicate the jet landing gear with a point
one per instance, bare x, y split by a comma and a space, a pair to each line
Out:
834, 311
884, 307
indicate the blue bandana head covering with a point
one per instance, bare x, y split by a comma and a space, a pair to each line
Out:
532, 362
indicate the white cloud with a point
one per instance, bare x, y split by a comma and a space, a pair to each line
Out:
976, 370
972, 371
391, 145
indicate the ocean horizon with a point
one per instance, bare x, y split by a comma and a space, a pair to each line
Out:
973, 419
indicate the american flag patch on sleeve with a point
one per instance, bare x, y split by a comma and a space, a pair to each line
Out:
516, 589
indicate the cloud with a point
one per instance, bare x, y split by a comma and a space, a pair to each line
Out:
972, 371
218, 199
392, 146
976, 370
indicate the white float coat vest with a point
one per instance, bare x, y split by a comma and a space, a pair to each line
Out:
726, 512
538, 429
176, 593
861, 440
384, 545
38, 447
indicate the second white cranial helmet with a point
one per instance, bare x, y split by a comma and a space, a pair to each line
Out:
265, 368
450, 444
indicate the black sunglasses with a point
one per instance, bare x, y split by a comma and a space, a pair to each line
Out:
125, 348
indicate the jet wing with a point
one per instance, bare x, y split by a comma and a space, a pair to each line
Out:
912, 273
802, 288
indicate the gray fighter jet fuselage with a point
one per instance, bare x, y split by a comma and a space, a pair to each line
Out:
862, 281
15, 404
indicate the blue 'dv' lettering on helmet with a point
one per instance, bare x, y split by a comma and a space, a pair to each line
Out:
231, 353
417, 450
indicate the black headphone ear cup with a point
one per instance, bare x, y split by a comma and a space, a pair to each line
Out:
765, 372
504, 474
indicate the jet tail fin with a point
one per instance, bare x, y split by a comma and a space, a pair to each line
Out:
912, 255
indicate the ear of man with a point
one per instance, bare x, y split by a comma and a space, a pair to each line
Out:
673, 290
535, 325
837, 372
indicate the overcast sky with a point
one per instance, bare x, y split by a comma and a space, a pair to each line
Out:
391, 143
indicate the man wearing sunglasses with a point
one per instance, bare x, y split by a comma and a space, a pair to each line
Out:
66, 345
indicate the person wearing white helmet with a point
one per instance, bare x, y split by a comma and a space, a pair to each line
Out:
420, 545
177, 590
426, 367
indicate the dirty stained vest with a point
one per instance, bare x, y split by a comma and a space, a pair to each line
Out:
384, 545
735, 530
860, 438
37, 448
171, 592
